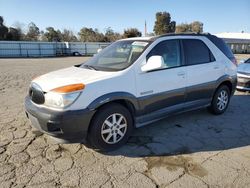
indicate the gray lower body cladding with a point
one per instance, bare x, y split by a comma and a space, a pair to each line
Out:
66, 125
73, 124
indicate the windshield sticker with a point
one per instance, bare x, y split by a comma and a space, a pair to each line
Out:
137, 43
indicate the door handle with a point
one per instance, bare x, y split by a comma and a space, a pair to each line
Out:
181, 73
216, 67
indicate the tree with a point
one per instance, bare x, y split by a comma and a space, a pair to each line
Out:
163, 23
1, 20
197, 27
111, 36
3, 29
52, 35
131, 32
182, 28
68, 36
33, 32
90, 35
13, 34
20, 27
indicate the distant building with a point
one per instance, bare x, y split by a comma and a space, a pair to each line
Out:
238, 42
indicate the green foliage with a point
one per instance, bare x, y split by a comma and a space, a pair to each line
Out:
111, 36
182, 28
90, 35
3, 29
195, 26
68, 36
1, 20
52, 35
3, 32
163, 23
131, 32
13, 34
33, 32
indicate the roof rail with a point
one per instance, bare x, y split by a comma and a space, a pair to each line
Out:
184, 33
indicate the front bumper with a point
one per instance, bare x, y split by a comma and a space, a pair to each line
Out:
243, 82
62, 124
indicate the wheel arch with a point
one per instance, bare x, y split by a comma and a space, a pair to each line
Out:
127, 100
229, 81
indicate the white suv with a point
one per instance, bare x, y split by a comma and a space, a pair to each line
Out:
131, 83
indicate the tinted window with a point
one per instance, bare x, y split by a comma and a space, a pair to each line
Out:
221, 45
196, 52
170, 51
247, 61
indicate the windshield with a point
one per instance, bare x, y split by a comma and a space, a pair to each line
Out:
117, 56
247, 61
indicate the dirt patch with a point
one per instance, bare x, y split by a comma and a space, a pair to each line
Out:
173, 163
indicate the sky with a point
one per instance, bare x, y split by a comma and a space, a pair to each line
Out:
217, 15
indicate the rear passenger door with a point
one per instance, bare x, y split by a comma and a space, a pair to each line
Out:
202, 71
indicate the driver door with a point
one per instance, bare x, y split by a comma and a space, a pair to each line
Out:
163, 88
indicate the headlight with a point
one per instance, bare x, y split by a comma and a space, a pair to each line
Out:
59, 100
63, 96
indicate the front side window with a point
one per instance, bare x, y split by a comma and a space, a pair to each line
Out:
196, 52
117, 56
170, 51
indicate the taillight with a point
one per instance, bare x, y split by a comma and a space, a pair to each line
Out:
234, 61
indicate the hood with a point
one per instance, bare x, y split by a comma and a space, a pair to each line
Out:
71, 75
244, 67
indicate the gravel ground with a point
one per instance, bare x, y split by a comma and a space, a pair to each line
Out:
242, 56
195, 149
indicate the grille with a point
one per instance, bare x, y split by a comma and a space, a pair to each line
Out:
244, 84
36, 94
245, 73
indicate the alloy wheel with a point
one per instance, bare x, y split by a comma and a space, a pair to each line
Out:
114, 128
222, 100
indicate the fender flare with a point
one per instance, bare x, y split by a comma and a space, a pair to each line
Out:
109, 97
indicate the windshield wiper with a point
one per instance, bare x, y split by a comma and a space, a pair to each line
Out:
90, 67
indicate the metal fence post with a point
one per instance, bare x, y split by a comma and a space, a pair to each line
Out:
39, 49
86, 52
20, 50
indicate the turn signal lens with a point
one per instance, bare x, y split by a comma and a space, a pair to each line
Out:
69, 88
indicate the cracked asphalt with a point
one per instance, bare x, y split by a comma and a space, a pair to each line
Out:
194, 149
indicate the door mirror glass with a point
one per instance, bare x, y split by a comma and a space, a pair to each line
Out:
153, 63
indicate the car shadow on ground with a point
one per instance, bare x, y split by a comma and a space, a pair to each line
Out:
193, 132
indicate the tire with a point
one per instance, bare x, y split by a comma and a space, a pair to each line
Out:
220, 100
76, 54
110, 128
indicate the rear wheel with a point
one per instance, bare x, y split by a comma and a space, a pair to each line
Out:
220, 100
111, 127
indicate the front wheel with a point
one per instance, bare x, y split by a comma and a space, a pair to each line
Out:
220, 100
111, 127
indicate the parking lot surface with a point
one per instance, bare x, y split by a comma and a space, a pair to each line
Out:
194, 149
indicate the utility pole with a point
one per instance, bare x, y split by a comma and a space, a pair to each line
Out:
145, 29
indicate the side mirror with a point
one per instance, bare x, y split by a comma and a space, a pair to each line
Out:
153, 63
99, 50
242, 61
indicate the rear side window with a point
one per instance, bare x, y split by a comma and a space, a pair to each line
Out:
221, 45
196, 52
